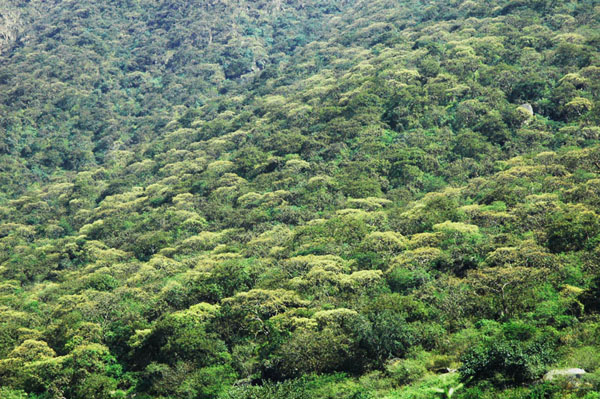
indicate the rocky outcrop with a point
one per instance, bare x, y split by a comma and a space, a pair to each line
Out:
572, 373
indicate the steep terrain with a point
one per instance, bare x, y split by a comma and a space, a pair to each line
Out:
299, 199
81, 79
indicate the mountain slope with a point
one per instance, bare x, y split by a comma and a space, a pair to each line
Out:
299, 199
83, 78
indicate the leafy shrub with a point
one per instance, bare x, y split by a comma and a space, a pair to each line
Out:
507, 362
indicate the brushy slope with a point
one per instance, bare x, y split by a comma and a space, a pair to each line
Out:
298, 199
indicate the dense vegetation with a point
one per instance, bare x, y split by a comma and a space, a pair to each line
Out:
299, 199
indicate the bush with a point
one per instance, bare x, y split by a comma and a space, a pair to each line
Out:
406, 371
506, 362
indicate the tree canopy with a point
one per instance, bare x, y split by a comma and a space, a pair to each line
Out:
299, 199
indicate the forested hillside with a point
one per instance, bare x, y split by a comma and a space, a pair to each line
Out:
299, 199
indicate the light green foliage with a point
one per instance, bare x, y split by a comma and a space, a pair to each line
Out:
405, 371
387, 241
456, 228
31, 350
368, 203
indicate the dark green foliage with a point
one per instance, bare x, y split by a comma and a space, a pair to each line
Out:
507, 362
572, 229
294, 389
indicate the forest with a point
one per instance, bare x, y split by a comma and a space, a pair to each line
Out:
299, 199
